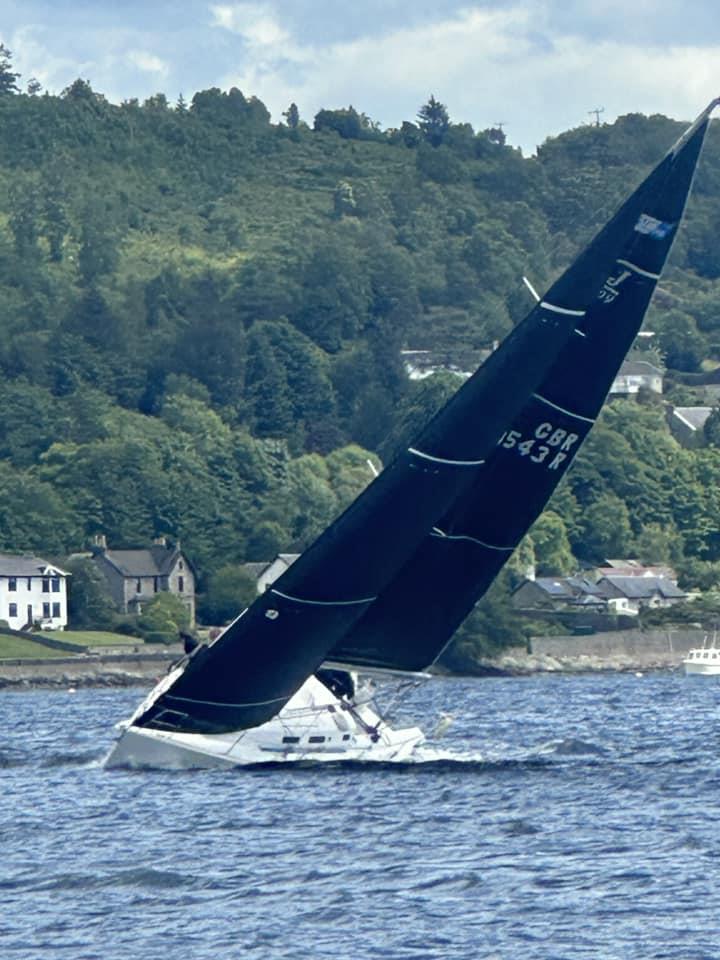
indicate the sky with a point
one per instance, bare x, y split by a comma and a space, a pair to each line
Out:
537, 67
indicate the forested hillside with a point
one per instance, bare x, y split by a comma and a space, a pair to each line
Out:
203, 312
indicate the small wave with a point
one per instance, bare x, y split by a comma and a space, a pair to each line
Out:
85, 758
572, 747
520, 828
145, 877
12, 758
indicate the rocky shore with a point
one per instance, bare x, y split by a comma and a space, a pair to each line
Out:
120, 670
132, 670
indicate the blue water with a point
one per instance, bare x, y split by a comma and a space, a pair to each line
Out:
590, 830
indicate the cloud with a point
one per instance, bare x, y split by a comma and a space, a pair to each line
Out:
147, 62
511, 64
254, 22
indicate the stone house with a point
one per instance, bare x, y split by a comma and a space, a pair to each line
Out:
135, 577
33, 591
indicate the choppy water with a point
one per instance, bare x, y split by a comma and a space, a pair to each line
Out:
591, 830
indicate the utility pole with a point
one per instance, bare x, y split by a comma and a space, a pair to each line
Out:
597, 111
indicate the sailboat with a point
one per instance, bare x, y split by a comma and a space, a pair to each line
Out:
384, 587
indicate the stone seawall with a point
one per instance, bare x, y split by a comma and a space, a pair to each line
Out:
120, 670
619, 650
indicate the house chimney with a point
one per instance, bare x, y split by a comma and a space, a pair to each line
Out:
160, 541
100, 541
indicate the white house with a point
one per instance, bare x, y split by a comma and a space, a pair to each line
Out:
635, 374
274, 569
32, 591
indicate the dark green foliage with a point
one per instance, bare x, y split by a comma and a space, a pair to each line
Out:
434, 121
8, 79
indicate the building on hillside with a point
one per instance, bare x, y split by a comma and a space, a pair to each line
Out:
135, 577
267, 572
634, 568
635, 375
420, 364
33, 592
686, 424
558, 593
632, 594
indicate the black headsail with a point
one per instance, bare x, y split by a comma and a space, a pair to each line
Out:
415, 617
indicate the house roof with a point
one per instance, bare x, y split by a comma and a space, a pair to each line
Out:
26, 566
640, 588
635, 368
692, 417
568, 587
151, 562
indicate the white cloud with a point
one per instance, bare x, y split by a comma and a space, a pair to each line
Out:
255, 23
147, 62
487, 66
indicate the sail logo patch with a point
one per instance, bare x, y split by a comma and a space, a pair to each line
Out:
609, 290
652, 227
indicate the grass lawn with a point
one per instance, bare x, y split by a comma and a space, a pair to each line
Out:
18, 647
93, 638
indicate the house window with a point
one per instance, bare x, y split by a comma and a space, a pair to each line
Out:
12, 583
181, 584
156, 585
180, 565
46, 610
56, 610
29, 583
138, 585
12, 610
56, 584
46, 584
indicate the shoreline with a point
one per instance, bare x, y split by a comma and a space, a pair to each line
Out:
134, 670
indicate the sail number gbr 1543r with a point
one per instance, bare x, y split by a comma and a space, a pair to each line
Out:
548, 444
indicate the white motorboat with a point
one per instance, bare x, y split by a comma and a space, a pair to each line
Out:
704, 660
387, 584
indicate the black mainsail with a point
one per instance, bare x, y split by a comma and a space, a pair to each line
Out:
365, 560
414, 619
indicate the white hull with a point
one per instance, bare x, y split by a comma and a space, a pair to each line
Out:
703, 661
314, 726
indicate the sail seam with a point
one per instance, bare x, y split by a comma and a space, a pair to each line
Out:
555, 309
437, 532
636, 269
322, 603
555, 406
455, 463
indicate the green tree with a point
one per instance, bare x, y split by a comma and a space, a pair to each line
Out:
89, 603
8, 78
229, 590
434, 121
292, 116
163, 619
